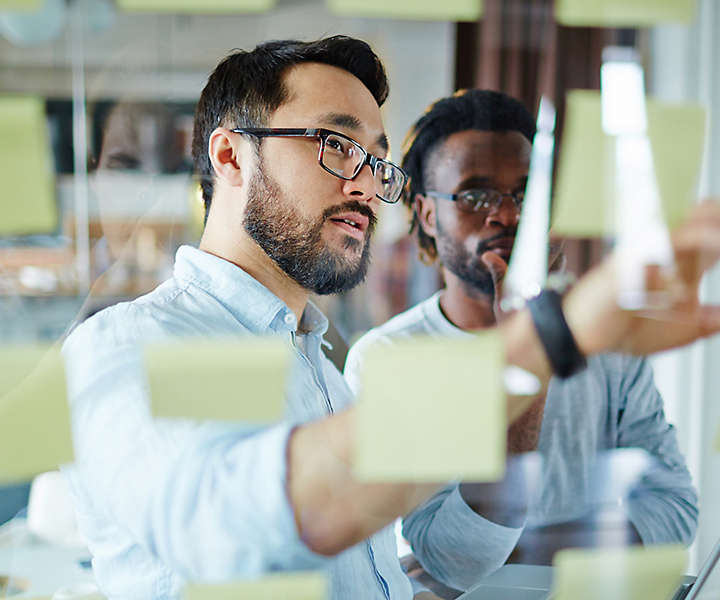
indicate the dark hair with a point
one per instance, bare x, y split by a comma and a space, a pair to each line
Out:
246, 87
482, 110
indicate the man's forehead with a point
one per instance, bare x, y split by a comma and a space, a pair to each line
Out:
472, 148
328, 96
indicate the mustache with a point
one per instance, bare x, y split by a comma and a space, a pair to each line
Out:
352, 206
506, 232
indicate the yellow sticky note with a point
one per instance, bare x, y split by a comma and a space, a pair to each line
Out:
195, 6
226, 380
631, 573
34, 416
285, 586
583, 190
27, 197
20, 5
432, 409
447, 10
197, 209
623, 13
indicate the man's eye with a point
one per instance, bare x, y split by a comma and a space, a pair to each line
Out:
335, 145
121, 161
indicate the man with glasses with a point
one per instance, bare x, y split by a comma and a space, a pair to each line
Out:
467, 158
291, 151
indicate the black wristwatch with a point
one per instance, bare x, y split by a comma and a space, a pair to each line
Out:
557, 339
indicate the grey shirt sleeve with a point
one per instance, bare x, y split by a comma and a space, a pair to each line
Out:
453, 543
663, 505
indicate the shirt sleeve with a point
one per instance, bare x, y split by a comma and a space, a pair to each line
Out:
453, 543
208, 499
663, 505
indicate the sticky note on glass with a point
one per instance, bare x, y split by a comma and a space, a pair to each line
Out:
27, 200
195, 6
34, 415
430, 10
631, 573
286, 586
432, 409
20, 5
623, 13
583, 192
226, 380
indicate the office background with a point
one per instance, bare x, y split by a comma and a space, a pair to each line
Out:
110, 79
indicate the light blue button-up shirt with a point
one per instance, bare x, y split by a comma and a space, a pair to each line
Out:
163, 501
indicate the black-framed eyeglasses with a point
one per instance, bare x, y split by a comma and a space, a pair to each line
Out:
480, 199
343, 157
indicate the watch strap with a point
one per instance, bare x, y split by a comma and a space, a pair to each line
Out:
557, 339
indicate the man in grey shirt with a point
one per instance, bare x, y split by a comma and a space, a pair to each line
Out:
468, 161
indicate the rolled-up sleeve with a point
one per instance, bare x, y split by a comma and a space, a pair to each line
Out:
453, 543
208, 499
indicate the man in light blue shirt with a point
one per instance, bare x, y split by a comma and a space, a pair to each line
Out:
290, 147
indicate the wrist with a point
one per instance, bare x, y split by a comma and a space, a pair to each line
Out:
555, 335
592, 313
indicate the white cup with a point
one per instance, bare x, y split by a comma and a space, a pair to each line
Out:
50, 514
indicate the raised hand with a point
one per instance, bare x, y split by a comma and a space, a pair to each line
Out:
600, 325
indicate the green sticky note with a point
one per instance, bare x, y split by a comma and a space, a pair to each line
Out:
583, 199
195, 6
432, 409
431, 10
630, 573
623, 13
27, 200
285, 586
34, 416
226, 380
20, 5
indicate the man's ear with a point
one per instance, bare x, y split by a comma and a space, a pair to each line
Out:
224, 155
426, 212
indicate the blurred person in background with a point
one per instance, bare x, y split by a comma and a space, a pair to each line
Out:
468, 160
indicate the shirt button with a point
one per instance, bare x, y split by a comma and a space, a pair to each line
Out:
289, 319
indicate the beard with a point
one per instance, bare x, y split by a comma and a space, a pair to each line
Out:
467, 266
295, 243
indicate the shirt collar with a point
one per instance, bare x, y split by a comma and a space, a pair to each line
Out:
313, 321
250, 302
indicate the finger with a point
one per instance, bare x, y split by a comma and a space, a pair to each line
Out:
708, 320
700, 321
707, 211
496, 265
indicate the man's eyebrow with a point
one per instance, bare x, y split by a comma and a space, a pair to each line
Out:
341, 120
475, 182
382, 141
348, 121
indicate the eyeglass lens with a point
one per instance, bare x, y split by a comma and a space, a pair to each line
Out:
345, 158
486, 199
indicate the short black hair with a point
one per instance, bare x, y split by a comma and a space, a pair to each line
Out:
247, 86
481, 110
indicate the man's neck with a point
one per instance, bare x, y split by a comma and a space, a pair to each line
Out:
240, 249
464, 306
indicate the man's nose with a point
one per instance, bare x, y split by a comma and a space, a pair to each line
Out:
362, 188
506, 213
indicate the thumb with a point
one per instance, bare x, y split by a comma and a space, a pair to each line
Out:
496, 265
497, 268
